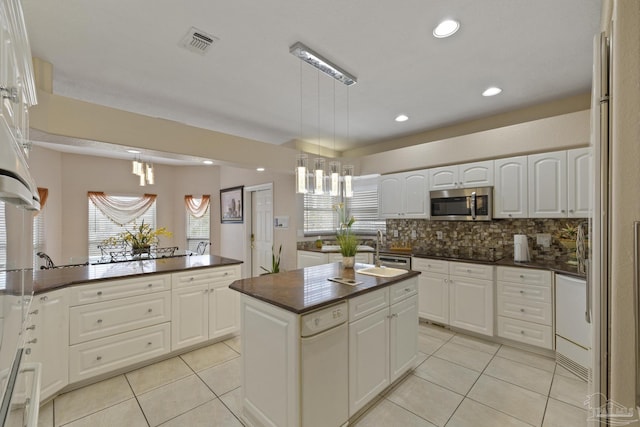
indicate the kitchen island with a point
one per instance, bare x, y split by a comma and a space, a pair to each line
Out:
315, 352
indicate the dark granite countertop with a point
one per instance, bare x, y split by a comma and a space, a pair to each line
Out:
46, 280
333, 250
307, 289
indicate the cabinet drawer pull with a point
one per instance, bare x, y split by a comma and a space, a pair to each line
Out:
99, 293
522, 276
99, 358
150, 310
149, 343
205, 291
226, 273
522, 292
407, 289
522, 310
44, 298
468, 270
522, 332
99, 321
191, 279
150, 285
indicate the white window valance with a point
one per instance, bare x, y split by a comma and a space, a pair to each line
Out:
119, 211
196, 207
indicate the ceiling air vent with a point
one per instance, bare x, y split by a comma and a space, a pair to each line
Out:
198, 41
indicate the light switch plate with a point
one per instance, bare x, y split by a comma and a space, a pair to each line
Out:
395, 233
543, 240
413, 234
439, 235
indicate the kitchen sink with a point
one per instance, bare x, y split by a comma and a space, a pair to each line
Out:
382, 271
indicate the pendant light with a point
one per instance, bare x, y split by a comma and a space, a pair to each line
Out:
334, 165
302, 159
347, 171
318, 164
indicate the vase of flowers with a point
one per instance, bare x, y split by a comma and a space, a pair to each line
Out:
347, 240
139, 239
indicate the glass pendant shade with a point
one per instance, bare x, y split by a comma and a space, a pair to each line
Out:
348, 180
301, 174
334, 170
318, 174
149, 174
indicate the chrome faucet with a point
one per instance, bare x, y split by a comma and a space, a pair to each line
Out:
378, 241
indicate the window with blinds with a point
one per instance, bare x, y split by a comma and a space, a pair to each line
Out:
198, 229
3, 238
321, 218
101, 227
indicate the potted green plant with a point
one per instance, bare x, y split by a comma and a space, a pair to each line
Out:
567, 237
347, 240
275, 261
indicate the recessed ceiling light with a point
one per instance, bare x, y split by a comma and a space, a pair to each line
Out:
402, 118
207, 162
491, 91
260, 169
133, 151
446, 28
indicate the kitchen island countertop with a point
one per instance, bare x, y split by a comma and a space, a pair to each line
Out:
46, 280
307, 289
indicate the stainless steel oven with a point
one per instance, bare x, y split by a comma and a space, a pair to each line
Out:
463, 204
396, 261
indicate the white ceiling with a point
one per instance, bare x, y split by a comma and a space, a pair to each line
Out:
126, 54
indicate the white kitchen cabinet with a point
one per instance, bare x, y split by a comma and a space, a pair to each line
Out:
312, 258
548, 185
403, 195
467, 175
579, 175
383, 345
455, 293
203, 307
524, 306
51, 346
510, 195
471, 304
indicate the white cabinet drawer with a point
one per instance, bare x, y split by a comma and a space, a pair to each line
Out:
205, 276
368, 303
526, 332
403, 290
529, 276
112, 289
477, 271
96, 357
539, 293
523, 309
430, 265
91, 321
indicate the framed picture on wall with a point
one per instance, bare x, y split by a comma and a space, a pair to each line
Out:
231, 204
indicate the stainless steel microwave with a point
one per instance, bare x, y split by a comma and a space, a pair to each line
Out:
462, 204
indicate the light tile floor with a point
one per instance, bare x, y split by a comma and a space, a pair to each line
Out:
461, 382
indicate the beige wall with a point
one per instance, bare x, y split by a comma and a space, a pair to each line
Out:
70, 176
548, 134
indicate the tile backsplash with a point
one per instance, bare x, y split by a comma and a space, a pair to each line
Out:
480, 237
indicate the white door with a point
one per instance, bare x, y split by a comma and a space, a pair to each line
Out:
471, 304
434, 297
511, 186
390, 196
415, 194
189, 316
261, 231
548, 185
403, 336
443, 178
478, 174
368, 358
224, 310
579, 174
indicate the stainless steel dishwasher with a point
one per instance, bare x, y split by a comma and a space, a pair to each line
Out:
324, 352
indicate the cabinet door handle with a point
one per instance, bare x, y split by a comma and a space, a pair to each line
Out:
522, 332
522, 310
205, 291
191, 279
31, 328
407, 289
33, 341
99, 321
99, 358
149, 343
44, 298
99, 293
226, 273
150, 285
522, 292
468, 270
522, 276
150, 310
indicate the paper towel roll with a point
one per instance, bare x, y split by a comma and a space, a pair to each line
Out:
520, 248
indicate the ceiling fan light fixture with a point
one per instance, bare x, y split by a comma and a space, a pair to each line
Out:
446, 28
491, 91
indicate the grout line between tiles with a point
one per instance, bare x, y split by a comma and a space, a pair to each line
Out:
135, 396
